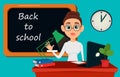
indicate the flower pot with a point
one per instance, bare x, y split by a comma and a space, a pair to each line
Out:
105, 63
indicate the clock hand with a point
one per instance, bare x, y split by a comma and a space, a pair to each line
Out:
103, 17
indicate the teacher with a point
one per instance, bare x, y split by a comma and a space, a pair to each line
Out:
72, 27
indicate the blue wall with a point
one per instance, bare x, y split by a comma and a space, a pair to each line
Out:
22, 66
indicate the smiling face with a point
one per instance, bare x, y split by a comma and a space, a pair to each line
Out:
72, 27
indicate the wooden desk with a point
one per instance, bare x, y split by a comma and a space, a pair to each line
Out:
68, 69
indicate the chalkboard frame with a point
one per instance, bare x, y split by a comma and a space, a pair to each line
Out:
7, 52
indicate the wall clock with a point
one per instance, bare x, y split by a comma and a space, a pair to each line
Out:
101, 20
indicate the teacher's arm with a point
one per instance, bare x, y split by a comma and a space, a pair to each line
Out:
49, 47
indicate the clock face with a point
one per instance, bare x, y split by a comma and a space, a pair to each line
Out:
101, 20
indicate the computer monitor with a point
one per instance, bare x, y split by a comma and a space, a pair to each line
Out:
93, 55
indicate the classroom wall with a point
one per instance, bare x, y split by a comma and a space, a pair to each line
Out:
22, 66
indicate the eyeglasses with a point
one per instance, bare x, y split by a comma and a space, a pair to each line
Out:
76, 27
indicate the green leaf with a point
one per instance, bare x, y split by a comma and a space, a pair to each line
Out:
102, 51
107, 47
109, 53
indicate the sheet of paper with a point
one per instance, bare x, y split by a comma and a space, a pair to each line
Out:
79, 62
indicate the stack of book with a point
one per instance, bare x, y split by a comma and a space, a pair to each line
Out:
43, 62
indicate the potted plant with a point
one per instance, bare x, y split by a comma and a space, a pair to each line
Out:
107, 52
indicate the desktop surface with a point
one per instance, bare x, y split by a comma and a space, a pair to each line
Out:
65, 69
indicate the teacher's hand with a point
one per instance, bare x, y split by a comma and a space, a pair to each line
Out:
49, 46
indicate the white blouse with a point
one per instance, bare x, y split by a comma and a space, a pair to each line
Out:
72, 49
